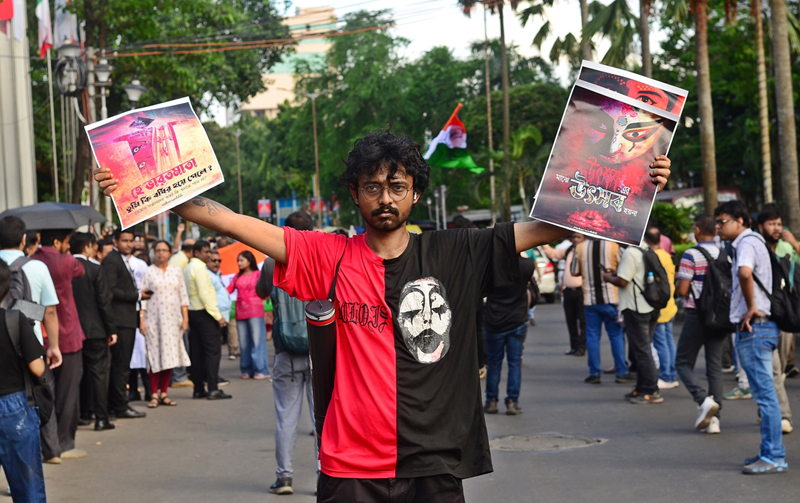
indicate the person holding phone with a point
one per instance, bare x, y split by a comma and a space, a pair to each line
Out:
163, 320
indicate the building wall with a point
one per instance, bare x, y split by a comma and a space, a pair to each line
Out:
17, 161
281, 79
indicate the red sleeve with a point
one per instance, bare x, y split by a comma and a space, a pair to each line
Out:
77, 267
232, 284
311, 261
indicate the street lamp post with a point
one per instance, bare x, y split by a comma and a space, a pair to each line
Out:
134, 90
237, 134
317, 192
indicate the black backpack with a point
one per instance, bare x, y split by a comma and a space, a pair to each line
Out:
714, 303
657, 293
37, 389
20, 288
785, 297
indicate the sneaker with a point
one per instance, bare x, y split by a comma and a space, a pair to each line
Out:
73, 454
668, 384
738, 394
632, 394
282, 486
221, 381
231, 357
532, 322
647, 399
713, 427
261, 377
512, 408
625, 379
764, 466
786, 426
792, 371
706, 411
592, 380
490, 407
610, 370
245, 376
728, 370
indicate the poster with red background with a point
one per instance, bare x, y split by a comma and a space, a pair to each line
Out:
597, 180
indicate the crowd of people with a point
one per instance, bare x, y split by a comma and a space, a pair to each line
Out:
726, 284
116, 309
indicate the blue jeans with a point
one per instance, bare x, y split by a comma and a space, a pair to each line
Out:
253, 346
596, 316
664, 342
508, 344
20, 454
755, 356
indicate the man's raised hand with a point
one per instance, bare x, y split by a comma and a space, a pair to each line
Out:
106, 180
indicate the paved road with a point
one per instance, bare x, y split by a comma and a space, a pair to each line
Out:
204, 451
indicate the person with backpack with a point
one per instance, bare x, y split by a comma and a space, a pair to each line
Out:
571, 294
20, 353
757, 335
291, 374
641, 279
704, 273
663, 339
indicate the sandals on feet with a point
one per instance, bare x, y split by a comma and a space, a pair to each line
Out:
763, 466
153, 403
165, 400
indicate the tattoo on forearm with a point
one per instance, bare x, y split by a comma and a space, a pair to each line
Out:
214, 208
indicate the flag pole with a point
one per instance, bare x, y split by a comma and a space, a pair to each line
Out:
52, 123
455, 112
489, 117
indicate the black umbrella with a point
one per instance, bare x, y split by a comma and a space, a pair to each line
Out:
52, 215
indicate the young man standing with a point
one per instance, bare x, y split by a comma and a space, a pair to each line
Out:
405, 418
571, 293
694, 334
640, 322
756, 335
205, 322
663, 340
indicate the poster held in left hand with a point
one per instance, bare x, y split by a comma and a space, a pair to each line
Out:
161, 156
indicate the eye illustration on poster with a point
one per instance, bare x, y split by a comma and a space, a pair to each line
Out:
597, 180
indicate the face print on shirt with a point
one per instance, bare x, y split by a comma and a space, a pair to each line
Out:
425, 319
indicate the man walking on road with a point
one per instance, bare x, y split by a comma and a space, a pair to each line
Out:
205, 321
756, 335
691, 276
600, 299
640, 322
405, 417
291, 373
663, 339
571, 294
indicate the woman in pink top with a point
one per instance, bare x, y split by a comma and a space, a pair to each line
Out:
250, 319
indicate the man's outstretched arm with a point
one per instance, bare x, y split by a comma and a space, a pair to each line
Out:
262, 236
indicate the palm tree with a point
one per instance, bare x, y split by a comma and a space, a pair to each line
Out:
705, 108
497, 6
763, 103
784, 104
644, 37
569, 47
618, 24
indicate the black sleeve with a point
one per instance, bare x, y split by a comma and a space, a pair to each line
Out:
264, 284
113, 276
103, 293
482, 355
28, 343
494, 257
526, 268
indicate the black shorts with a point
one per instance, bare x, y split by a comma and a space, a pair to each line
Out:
434, 489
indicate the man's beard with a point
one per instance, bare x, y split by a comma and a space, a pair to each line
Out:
769, 239
386, 225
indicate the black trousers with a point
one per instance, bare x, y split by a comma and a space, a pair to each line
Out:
121, 353
48, 433
67, 399
205, 348
94, 385
694, 335
434, 489
639, 329
572, 299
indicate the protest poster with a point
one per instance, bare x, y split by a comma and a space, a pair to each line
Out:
597, 180
161, 156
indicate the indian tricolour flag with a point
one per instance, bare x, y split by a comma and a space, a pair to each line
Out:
45, 27
449, 148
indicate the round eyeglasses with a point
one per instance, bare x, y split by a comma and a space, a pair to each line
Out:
373, 191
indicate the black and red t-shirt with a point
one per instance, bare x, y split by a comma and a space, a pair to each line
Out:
407, 400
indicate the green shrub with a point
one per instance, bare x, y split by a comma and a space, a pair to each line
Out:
674, 222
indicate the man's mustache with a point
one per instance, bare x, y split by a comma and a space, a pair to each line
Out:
386, 209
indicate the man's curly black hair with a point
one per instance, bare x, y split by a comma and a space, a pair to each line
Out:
382, 149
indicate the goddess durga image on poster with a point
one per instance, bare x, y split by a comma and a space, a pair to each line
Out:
598, 177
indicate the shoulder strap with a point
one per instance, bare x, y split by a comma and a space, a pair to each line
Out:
769, 253
12, 326
332, 292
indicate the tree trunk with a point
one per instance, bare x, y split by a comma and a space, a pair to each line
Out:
506, 118
763, 103
705, 107
586, 52
784, 100
644, 35
82, 161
